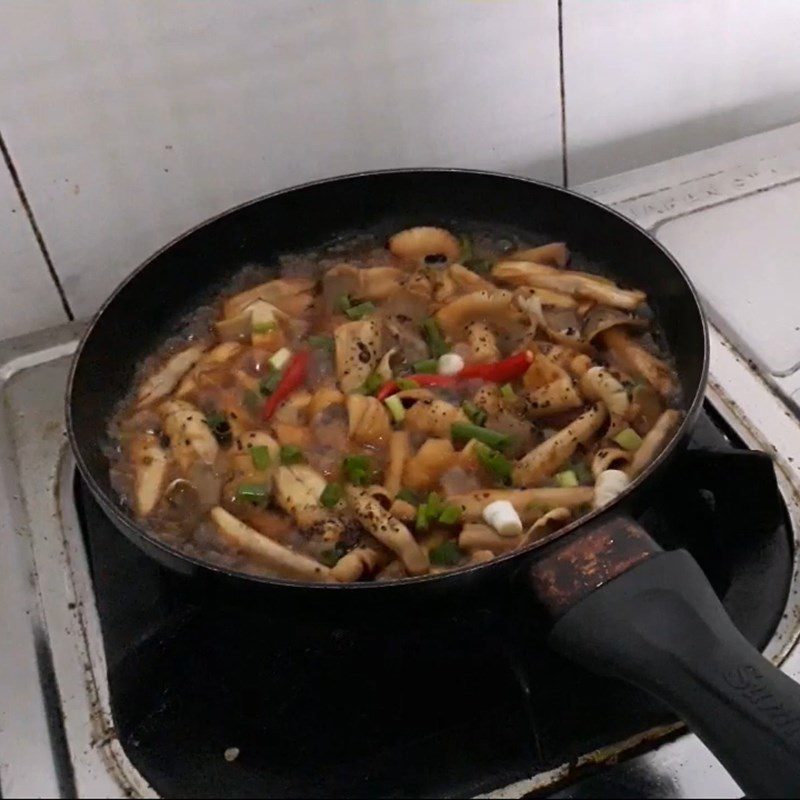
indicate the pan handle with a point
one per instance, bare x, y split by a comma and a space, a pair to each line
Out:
661, 627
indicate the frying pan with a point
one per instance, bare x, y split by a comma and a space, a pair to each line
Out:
619, 604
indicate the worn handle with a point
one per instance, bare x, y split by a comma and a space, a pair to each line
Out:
661, 627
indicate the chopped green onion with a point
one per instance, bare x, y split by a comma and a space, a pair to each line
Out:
450, 514
264, 327
433, 336
475, 414
566, 479
260, 456
343, 303
322, 343
421, 521
583, 473
465, 431
214, 419
446, 554
429, 366
404, 384
628, 439
331, 495
358, 470
330, 558
434, 505
465, 244
280, 359
252, 401
408, 496
254, 493
361, 310
269, 384
480, 265
496, 464
508, 393
396, 409
291, 454
372, 384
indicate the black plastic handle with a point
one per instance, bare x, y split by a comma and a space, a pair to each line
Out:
661, 627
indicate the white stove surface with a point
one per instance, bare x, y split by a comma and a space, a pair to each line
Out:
726, 213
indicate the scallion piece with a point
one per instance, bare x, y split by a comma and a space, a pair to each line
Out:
361, 310
496, 464
475, 414
464, 431
331, 495
433, 336
372, 384
264, 327
396, 409
427, 367
508, 393
404, 384
280, 359
252, 401
260, 456
566, 479
358, 470
291, 454
343, 303
628, 439
254, 493
434, 505
446, 554
408, 496
322, 343
449, 515
421, 521
269, 384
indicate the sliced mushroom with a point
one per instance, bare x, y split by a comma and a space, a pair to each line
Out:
467, 280
489, 307
425, 244
356, 563
489, 399
547, 457
548, 523
549, 387
399, 451
527, 502
646, 407
476, 536
597, 383
655, 441
403, 510
358, 345
556, 254
373, 283
291, 295
161, 383
639, 361
388, 530
323, 398
369, 421
250, 439
578, 284
482, 343
218, 355
602, 318
424, 469
150, 463
189, 435
384, 368
266, 325
297, 492
433, 417
610, 458
285, 562
294, 410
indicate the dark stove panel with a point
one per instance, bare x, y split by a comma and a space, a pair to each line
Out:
442, 705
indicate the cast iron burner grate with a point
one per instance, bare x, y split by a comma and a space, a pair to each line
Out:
444, 705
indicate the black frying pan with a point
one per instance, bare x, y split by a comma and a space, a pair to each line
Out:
621, 605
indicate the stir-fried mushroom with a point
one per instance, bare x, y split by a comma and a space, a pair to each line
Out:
598, 383
655, 441
389, 531
298, 490
547, 457
284, 561
610, 458
528, 273
548, 523
527, 502
482, 342
189, 434
356, 563
555, 254
369, 420
166, 379
399, 451
433, 417
424, 469
490, 307
291, 295
550, 388
210, 360
150, 463
425, 245
358, 348
639, 361
475, 536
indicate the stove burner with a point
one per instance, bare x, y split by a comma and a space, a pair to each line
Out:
447, 704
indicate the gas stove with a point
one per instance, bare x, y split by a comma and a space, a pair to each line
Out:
119, 680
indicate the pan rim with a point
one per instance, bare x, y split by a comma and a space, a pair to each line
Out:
122, 520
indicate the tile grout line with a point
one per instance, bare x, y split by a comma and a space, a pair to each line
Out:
35, 227
562, 91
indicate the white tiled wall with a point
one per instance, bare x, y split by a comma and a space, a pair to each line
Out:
129, 122
646, 80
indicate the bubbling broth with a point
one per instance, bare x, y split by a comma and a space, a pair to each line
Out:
393, 409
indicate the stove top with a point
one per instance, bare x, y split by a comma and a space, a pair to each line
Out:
440, 705
119, 680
